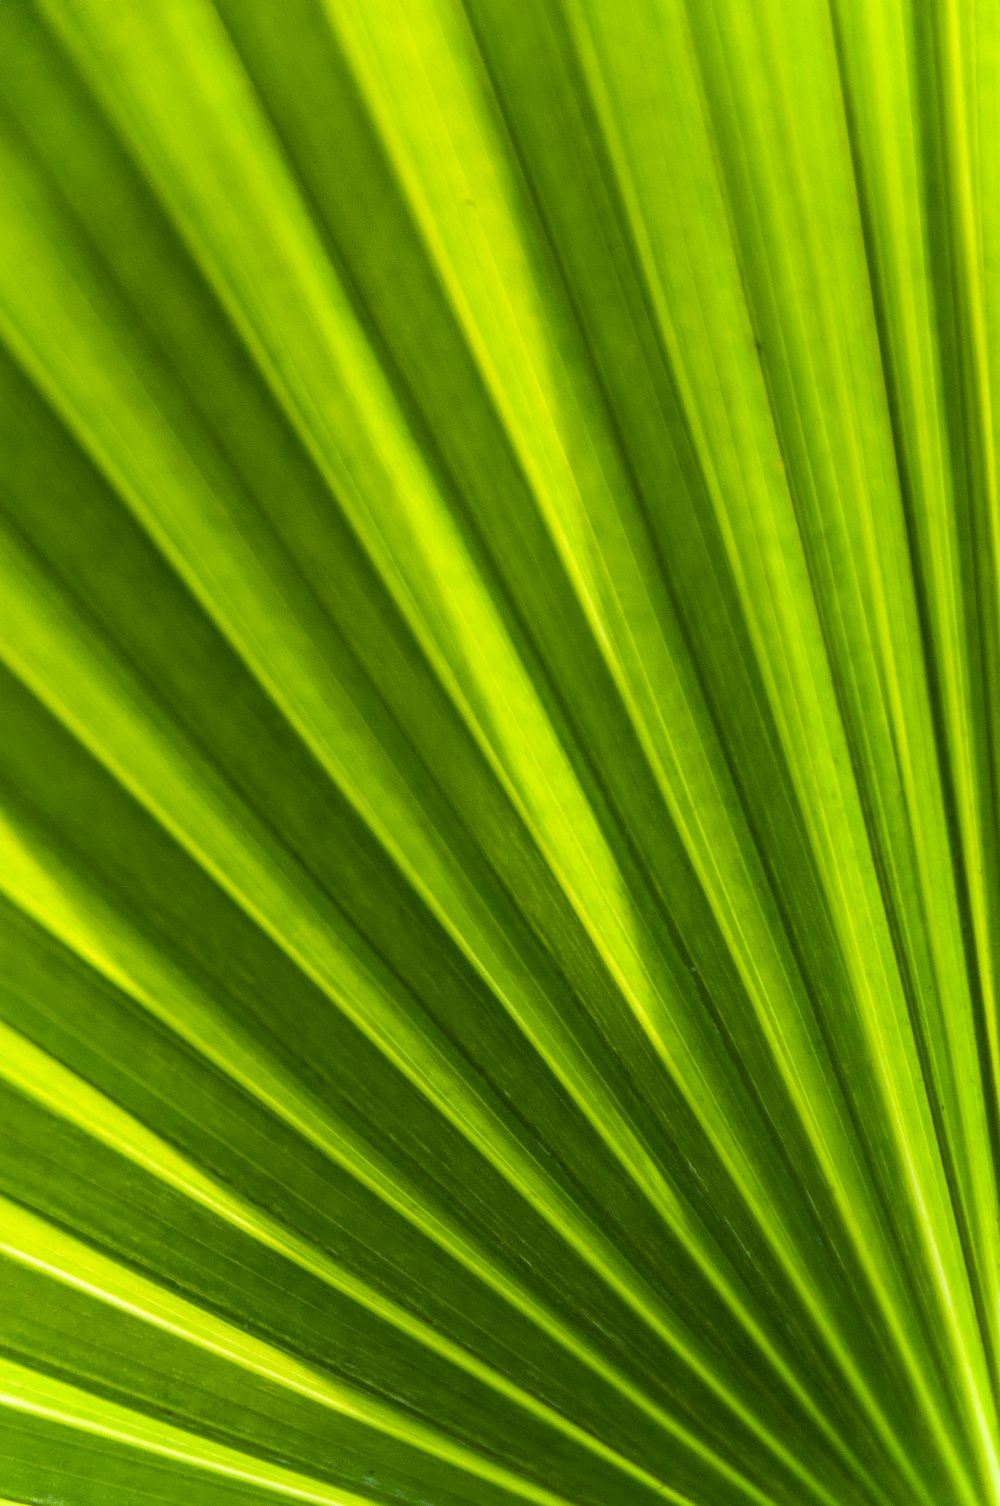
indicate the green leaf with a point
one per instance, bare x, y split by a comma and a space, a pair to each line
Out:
499, 615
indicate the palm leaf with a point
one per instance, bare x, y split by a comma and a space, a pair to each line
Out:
499, 559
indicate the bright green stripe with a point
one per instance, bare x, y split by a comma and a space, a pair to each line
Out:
64, 1093
39, 1395
882, 104
101, 939
36, 1243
